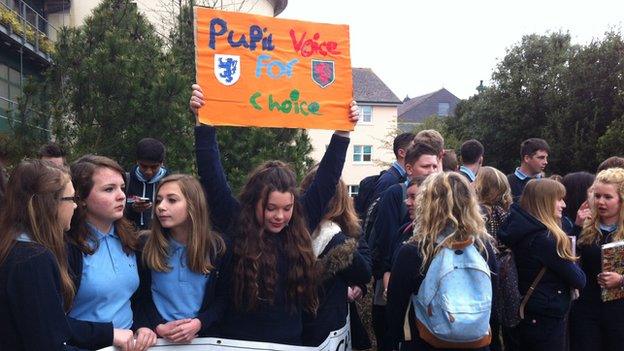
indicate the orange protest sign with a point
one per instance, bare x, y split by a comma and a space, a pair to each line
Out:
268, 72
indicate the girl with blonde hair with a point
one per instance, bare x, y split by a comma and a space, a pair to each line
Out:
594, 324
181, 250
545, 261
446, 214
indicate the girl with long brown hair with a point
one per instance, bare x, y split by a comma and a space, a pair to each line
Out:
181, 293
594, 324
273, 270
340, 263
545, 261
102, 246
37, 289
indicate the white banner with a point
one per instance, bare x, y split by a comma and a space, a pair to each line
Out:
339, 340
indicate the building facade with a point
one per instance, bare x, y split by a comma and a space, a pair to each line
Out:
370, 150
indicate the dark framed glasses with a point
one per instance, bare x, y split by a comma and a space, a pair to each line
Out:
70, 198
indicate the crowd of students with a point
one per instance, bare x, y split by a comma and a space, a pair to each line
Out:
92, 256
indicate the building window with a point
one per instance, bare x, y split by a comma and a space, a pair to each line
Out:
10, 89
443, 109
366, 114
362, 153
353, 190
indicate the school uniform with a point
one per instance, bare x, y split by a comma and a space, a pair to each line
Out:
342, 265
390, 217
31, 305
517, 182
105, 280
181, 293
534, 247
596, 325
405, 281
280, 321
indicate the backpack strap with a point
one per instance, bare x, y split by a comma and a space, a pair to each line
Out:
403, 197
530, 291
407, 332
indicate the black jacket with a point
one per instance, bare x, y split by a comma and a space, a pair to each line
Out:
136, 187
31, 306
534, 247
342, 265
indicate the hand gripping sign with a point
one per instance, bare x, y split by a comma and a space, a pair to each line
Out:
338, 340
268, 72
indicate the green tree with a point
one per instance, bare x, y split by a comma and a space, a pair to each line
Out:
111, 85
242, 149
547, 87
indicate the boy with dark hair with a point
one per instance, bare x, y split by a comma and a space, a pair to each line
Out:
393, 175
472, 158
142, 181
420, 160
52, 152
533, 160
434, 139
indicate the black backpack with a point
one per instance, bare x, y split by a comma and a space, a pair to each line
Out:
366, 191
368, 225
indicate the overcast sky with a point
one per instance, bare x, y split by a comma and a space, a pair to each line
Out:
417, 46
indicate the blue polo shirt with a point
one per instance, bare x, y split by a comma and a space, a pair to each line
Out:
469, 173
109, 278
523, 176
179, 293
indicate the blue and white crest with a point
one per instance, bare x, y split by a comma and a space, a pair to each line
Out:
323, 72
227, 68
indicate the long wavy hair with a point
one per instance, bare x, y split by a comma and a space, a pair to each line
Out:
255, 250
539, 198
340, 208
82, 171
591, 228
33, 196
492, 188
447, 205
204, 245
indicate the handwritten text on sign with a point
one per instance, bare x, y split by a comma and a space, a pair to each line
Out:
268, 72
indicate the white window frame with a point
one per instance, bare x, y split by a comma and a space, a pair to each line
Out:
358, 150
354, 190
362, 119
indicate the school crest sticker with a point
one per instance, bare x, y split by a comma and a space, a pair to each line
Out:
323, 72
227, 68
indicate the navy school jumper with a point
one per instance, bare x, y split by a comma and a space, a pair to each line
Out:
405, 281
213, 304
276, 322
31, 306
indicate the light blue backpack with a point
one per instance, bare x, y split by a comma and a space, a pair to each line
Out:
454, 301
